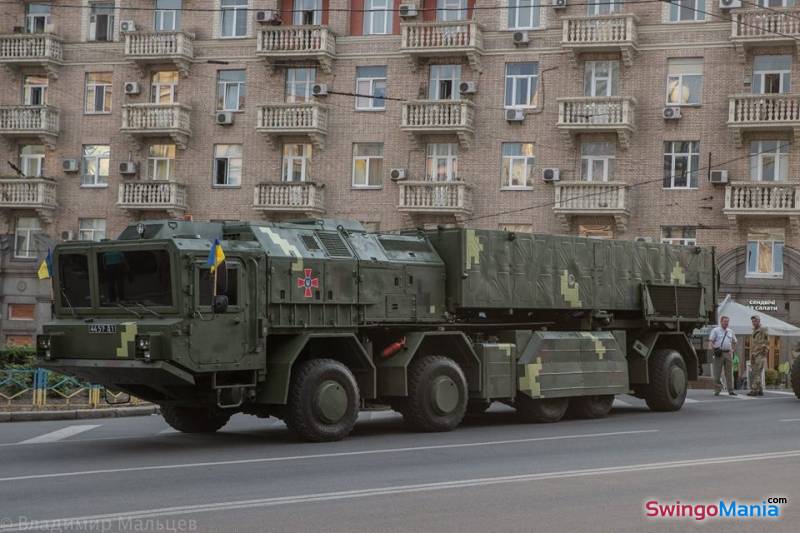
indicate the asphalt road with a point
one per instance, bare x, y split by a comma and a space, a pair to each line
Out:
491, 475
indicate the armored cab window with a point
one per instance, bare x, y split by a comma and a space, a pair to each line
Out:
227, 284
73, 278
134, 277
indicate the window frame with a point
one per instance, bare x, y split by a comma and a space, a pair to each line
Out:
154, 160
608, 160
37, 159
697, 8
372, 81
450, 159
29, 89
370, 13
98, 180
92, 87
437, 75
680, 83
157, 85
223, 86
690, 156
532, 86
228, 166
528, 162
289, 160
93, 232
683, 240
31, 26
774, 245
108, 9
27, 233
780, 158
368, 159
158, 18
514, 15
451, 10
293, 83
784, 76
241, 9
594, 8
591, 77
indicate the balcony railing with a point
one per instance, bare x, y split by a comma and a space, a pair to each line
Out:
598, 114
592, 198
293, 197
30, 48
157, 47
435, 39
157, 120
30, 120
762, 199
310, 119
297, 42
439, 117
27, 193
762, 25
763, 112
601, 33
152, 195
435, 197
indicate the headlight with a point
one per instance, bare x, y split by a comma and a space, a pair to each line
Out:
43, 344
143, 346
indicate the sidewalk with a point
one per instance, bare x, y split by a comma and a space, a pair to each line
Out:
78, 414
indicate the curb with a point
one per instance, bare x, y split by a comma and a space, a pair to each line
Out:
78, 414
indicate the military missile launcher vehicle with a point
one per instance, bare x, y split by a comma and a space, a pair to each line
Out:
311, 321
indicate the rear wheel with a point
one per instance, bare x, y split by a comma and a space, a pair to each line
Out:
541, 410
194, 419
591, 406
668, 381
437, 394
796, 377
323, 401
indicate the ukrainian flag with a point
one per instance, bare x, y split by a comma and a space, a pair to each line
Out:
215, 256
46, 268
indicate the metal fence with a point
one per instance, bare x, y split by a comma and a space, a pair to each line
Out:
39, 388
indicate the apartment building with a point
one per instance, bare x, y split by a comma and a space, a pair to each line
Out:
570, 116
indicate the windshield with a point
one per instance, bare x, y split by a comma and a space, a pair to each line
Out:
141, 276
74, 280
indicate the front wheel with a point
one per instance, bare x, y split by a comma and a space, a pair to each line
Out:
437, 394
323, 401
194, 419
796, 377
668, 381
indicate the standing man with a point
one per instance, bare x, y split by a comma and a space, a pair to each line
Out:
722, 342
759, 345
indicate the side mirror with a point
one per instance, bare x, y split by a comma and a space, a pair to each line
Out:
220, 304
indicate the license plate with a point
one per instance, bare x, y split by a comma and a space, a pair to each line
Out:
102, 328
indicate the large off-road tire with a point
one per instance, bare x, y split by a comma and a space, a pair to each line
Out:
437, 394
323, 401
591, 406
668, 381
795, 377
542, 410
194, 419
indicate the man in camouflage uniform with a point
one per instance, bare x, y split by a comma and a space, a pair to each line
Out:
759, 345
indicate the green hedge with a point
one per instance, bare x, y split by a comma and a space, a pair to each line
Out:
17, 355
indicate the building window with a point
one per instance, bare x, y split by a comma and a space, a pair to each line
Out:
681, 163
34, 90
95, 165
98, 92
161, 161
371, 81
524, 15
230, 90
22, 311
299, 82
600, 78
450, 10
687, 10
167, 15
367, 165
685, 81
296, 162
164, 87
522, 80
234, 18
765, 254
441, 163
769, 161
91, 229
19, 340
378, 17
307, 13
595, 231
682, 235
516, 228
444, 81
26, 228
598, 161
602, 7
101, 21
772, 74
37, 17
517, 168
31, 160
227, 165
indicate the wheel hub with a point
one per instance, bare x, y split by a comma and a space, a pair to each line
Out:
331, 401
445, 395
677, 382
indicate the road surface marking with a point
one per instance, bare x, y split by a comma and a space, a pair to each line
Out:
59, 434
691, 400
790, 420
325, 455
779, 392
390, 491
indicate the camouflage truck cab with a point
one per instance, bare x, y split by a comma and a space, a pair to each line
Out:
312, 320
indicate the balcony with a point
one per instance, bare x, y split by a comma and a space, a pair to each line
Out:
38, 194
764, 27
297, 43
763, 112
30, 121
158, 120
440, 117
308, 119
153, 195
435, 198
604, 33
42, 50
592, 198
763, 199
425, 40
592, 114
160, 47
290, 197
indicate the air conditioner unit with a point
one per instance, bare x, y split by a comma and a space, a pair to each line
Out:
730, 4
69, 165
132, 87
515, 115
66, 235
408, 10
264, 15
719, 176
644, 239
398, 174
559, 4
320, 89
225, 118
468, 87
521, 38
127, 167
127, 26
551, 174
671, 113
